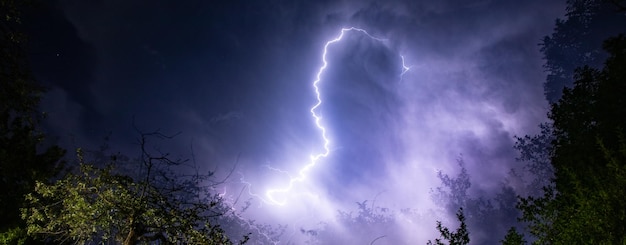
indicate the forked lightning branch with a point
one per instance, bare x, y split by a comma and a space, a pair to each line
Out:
271, 195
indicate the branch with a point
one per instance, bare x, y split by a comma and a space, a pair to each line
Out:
380, 237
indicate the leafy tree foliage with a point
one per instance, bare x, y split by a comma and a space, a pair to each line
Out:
535, 152
577, 41
481, 213
585, 205
370, 224
453, 194
458, 237
513, 238
102, 204
16, 235
23, 161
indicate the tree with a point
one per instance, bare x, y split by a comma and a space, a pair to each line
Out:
535, 152
103, 204
370, 224
513, 238
23, 159
481, 212
588, 153
577, 41
456, 195
459, 237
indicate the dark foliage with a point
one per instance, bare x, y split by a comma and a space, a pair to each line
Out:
513, 238
577, 41
481, 213
154, 204
458, 237
23, 159
588, 153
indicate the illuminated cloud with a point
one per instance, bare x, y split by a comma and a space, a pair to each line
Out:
235, 79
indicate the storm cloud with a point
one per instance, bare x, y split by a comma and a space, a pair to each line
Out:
235, 78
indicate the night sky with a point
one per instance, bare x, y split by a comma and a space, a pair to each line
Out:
235, 78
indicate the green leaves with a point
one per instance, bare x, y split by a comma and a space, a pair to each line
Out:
585, 205
97, 204
513, 238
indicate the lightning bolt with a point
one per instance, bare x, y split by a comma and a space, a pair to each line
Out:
302, 174
405, 68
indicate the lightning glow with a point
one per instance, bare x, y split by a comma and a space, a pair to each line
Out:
302, 174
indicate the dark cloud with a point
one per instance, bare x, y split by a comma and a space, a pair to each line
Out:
235, 78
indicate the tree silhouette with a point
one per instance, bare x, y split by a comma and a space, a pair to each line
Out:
458, 237
577, 41
23, 158
513, 238
100, 204
480, 212
585, 204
